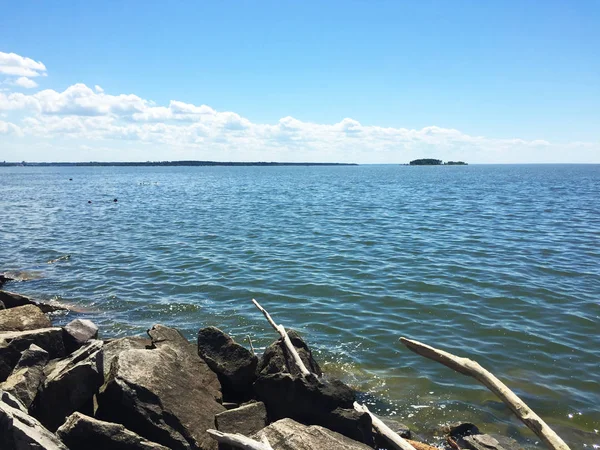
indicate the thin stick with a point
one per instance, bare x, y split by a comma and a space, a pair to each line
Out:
286, 340
397, 442
473, 369
251, 346
239, 440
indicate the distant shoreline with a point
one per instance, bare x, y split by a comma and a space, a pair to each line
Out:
166, 163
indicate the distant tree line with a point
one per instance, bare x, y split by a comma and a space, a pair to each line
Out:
169, 163
435, 162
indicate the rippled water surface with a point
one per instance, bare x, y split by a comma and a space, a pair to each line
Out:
499, 263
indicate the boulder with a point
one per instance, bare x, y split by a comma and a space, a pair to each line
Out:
275, 359
286, 434
69, 386
113, 347
490, 442
2, 306
328, 403
12, 300
13, 343
22, 318
4, 279
246, 420
163, 337
78, 332
28, 374
234, 365
20, 431
167, 395
81, 432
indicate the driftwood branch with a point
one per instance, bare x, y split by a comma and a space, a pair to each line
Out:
239, 440
473, 369
397, 442
286, 340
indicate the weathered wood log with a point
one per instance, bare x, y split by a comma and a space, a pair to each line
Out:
421, 446
396, 442
239, 440
286, 340
473, 369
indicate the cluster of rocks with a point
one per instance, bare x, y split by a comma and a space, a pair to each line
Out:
63, 388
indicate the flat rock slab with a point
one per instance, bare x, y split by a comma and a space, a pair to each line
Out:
490, 442
81, 432
286, 434
20, 431
78, 332
13, 343
167, 395
233, 363
69, 386
28, 375
12, 300
23, 318
114, 347
247, 419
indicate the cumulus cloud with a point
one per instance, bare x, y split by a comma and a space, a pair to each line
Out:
17, 65
96, 120
25, 82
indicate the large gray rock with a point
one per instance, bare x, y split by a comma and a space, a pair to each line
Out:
12, 300
22, 318
234, 364
4, 279
78, 332
70, 386
81, 432
277, 360
328, 403
490, 442
20, 431
167, 395
286, 434
24, 381
246, 420
112, 348
13, 343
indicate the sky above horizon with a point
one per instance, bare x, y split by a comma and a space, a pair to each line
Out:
353, 81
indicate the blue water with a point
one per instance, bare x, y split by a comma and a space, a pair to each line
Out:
497, 263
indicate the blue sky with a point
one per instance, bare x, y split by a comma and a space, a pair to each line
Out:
368, 81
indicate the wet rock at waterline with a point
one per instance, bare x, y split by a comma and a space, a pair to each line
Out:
12, 300
81, 432
276, 359
23, 318
235, 365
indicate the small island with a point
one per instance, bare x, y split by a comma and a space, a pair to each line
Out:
435, 162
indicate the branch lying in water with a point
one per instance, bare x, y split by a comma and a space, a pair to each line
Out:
473, 369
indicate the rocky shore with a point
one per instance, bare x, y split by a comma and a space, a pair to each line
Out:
64, 388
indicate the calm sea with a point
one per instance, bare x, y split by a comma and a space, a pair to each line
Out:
498, 263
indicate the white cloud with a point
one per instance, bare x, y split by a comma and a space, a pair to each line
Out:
13, 64
10, 128
25, 82
96, 121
